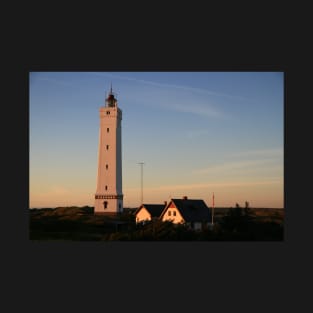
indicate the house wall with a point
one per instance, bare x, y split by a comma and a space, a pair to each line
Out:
143, 215
174, 218
197, 226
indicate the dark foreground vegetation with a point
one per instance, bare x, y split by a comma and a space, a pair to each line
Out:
80, 224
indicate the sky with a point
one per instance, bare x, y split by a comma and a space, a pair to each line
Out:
198, 133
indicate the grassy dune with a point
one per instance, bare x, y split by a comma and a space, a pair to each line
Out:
80, 224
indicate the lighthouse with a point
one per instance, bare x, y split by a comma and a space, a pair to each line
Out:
109, 195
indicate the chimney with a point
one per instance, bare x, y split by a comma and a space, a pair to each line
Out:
165, 203
185, 198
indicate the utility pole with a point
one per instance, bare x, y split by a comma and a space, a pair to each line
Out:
141, 166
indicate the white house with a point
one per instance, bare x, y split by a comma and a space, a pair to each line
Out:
148, 212
191, 212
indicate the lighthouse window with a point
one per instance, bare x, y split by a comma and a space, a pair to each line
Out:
107, 147
108, 112
108, 129
107, 166
105, 203
106, 187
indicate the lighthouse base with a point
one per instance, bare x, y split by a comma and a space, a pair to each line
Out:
111, 204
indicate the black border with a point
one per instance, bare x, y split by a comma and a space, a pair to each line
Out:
254, 276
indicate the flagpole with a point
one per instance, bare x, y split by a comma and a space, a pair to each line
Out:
213, 209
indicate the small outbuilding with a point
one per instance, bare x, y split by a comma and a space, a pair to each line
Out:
148, 212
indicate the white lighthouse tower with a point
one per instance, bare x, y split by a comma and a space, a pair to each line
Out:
109, 195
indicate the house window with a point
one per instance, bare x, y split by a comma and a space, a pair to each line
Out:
105, 203
108, 130
107, 166
107, 147
174, 213
169, 213
106, 187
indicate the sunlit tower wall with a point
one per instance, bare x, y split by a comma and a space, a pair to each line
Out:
109, 195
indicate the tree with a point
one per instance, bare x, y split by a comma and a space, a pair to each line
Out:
236, 219
247, 209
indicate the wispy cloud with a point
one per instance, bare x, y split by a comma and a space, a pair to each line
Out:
55, 81
274, 152
197, 108
272, 181
164, 96
171, 86
178, 102
230, 166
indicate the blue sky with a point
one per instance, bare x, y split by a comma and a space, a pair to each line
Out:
197, 132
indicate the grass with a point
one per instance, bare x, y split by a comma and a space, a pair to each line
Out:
80, 224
